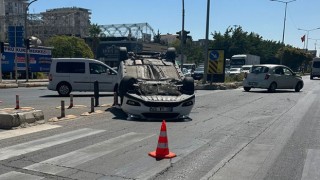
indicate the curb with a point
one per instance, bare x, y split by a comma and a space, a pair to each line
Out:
3, 85
10, 120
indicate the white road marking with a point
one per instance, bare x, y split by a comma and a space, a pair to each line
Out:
312, 165
18, 175
23, 131
24, 148
64, 162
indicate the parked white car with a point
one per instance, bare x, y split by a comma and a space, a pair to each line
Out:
234, 71
272, 77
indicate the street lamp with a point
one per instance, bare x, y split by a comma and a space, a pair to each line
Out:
285, 16
308, 30
26, 36
284, 22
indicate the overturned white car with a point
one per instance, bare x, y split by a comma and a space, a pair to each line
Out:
153, 87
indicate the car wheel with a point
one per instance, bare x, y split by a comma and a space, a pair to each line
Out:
126, 85
311, 77
272, 87
64, 89
247, 88
298, 87
123, 54
188, 85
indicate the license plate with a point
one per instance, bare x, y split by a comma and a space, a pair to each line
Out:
253, 83
161, 109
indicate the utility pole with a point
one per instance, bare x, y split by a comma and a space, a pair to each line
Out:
204, 79
182, 36
26, 37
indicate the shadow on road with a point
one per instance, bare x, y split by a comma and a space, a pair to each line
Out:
76, 95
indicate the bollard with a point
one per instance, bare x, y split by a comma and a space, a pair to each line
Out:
96, 93
71, 101
115, 99
63, 112
17, 102
92, 105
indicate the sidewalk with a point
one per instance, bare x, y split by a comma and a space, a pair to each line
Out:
22, 83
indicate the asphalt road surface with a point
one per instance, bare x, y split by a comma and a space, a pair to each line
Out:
231, 134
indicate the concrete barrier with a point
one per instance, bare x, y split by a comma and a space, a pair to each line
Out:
9, 120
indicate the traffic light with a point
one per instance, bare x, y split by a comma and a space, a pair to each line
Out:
27, 43
179, 35
185, 36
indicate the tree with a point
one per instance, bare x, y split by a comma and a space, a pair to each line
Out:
293, 57
94, 32
157, 38
69, 46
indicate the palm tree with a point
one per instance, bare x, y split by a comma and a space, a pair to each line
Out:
94, 32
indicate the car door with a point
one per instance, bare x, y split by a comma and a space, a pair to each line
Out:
279, 78
79, 79
290, 79
104, 75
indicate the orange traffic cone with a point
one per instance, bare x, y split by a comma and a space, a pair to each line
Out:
162, 150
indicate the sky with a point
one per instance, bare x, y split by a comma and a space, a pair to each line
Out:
263, 17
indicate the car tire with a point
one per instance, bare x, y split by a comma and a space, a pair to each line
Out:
64, 89
126, 85
123, 53
171, 54
247, 89
188, 85
272, 87
298, 87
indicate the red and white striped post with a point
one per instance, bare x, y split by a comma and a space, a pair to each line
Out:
71, 101
17, 102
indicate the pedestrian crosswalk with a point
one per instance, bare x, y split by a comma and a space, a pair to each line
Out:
66, 164
70, 161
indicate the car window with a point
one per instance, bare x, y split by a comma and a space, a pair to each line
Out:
259, 69
97, 68
287, 72
279, 70
70, 67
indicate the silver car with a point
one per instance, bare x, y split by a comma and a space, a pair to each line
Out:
272, 77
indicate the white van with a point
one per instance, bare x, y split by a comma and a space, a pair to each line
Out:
315, 68
79, 74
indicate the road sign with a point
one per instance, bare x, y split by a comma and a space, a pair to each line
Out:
216, 62
15, 35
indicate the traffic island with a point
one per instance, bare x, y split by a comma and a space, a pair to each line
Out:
11, 119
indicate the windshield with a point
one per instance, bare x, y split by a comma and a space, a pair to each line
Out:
259, 69
199, 69
237, 62
246, 68
316, 64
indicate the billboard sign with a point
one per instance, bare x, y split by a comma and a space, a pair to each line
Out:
40, 59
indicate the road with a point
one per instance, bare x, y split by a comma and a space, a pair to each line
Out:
231, 134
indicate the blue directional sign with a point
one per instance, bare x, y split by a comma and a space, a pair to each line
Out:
15, 34
214, 55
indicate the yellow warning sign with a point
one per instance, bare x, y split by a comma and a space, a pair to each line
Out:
216, 62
